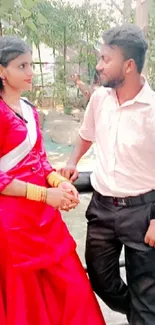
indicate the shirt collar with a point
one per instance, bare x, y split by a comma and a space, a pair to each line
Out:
144, 96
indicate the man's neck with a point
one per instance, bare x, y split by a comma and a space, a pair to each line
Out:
130, 89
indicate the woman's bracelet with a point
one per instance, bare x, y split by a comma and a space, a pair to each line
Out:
54, 179
36, 192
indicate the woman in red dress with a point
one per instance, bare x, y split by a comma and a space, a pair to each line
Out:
44, 283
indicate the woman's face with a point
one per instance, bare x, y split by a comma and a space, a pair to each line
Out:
18, 73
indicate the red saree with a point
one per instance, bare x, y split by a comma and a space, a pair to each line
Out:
45, 282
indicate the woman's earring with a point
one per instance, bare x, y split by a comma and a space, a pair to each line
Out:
3, 81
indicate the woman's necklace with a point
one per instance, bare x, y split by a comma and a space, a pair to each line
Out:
16, 113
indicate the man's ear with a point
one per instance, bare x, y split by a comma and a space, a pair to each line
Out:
130, 65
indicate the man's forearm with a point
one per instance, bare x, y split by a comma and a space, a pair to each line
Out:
81, 147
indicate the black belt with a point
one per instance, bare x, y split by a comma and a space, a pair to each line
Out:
128, 201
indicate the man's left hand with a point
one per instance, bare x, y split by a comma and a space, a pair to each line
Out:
150, 235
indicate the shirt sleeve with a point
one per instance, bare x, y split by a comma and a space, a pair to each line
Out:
5, 179
43, 156
87, 129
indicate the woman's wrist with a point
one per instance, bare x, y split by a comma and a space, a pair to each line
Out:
36, 192
54, 179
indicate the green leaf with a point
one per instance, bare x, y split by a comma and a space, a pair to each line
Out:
1, 12
29, 23
16, 17
7, 5
153, 42
152, 59
25, 13
42, 19
29, 4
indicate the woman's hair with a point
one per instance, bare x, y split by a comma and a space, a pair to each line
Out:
10, 48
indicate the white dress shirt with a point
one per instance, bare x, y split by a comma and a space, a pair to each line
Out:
125, 142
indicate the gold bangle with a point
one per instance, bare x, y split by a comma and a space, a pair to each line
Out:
54, 179
36, 193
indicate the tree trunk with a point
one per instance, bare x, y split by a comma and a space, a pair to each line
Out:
64, 64
40, 64
1, 29
41, 72
142, 20
79, 67
65, 54
54, 68
88, 64
142, 15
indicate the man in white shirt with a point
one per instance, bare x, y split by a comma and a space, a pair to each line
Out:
120, 118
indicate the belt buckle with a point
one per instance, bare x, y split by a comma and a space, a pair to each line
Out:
122, 202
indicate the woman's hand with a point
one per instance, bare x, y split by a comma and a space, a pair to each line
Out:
67, 186
61, 199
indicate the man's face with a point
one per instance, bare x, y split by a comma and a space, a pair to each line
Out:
111, 67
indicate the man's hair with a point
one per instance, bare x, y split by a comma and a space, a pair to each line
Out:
131, 40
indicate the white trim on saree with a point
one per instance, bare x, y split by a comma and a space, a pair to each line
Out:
12, 158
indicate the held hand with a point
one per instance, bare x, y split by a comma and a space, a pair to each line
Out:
69, 188
150, 235
70, 172
60, 199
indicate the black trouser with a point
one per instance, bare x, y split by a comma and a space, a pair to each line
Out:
109, 227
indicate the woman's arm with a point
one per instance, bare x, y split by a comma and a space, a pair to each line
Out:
15, 188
